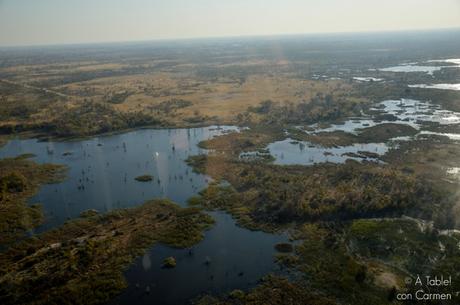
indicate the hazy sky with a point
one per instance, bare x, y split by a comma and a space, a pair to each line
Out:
29, 22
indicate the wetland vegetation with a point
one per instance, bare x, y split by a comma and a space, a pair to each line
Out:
333, 151
20, 179
82, 261
144, 178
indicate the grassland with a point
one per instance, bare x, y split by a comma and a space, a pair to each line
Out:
63, 93
157, 99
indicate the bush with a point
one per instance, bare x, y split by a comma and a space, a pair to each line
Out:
144, 178
169, 262
13, 183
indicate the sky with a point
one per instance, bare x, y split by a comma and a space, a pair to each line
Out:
42, 22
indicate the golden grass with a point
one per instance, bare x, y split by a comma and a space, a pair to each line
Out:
214, 100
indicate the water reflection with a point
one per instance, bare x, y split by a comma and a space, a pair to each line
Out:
455, 87
403, 111
412, 68
101, 176
289, 152
102, 170
368, 79
424, 67
414, 113
228, 258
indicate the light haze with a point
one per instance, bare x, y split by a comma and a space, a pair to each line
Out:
32, 22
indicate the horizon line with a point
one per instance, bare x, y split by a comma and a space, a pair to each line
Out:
211, 37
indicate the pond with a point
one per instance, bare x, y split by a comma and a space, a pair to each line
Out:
455, 87
102, 170
403, 111
288, 152
424, 67
412, 68
410, 112
353, 125
368, 79
228, 258
416, 113
101, 176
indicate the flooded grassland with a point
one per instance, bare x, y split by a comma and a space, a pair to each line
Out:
337, 182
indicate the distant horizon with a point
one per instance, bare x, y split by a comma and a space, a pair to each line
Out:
257, 36
57, 22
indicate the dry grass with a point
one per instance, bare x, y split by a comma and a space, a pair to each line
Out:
226, 100
59, 88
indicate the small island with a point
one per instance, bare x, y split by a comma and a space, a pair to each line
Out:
144, 178
169, 262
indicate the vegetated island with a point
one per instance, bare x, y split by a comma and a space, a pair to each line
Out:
144, 178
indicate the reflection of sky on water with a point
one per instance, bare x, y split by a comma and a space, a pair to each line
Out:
102, 170
288, 152
368, 79
455, 87
420, 67
455, 61
452, 136
238, 259
412, 68
101, 176
405, 111
350, 126
413, 111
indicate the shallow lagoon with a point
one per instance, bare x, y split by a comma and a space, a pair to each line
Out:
101, 176
412, 68
415, 113
404, 111
368, 79
352, 125
102, 169
424, 67
455, 87
238, 260
288, 152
